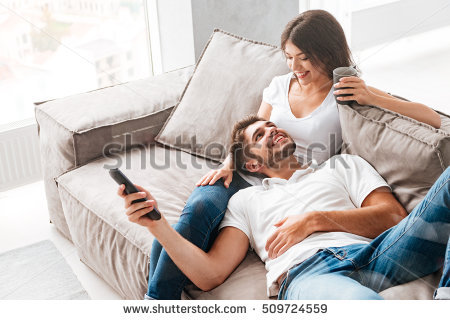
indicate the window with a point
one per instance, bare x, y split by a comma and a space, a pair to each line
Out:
51, 49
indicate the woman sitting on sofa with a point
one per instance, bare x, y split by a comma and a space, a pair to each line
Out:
302, 102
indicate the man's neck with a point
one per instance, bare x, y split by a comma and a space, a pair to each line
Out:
286, 168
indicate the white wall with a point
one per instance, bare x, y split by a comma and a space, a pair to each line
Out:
369, 23
392, 21
181, 28
261, 20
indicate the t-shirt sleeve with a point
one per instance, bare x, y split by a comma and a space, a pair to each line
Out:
359, 176
235, 216
270, 93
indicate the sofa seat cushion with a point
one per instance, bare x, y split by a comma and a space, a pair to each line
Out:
247, 282
119, 250
169, 175
420, 289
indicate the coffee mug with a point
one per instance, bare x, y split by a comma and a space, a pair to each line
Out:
339, 73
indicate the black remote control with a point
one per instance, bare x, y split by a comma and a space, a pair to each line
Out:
120, 178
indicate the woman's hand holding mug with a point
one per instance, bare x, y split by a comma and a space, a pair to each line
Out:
354, 89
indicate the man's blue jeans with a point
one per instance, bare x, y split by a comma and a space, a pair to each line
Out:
419, 245
199, 224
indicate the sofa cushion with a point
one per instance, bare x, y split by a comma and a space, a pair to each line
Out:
408, 154
111, 245
247, 282
420, 289
227, 84
117, 249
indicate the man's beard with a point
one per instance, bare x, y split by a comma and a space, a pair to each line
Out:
275, 158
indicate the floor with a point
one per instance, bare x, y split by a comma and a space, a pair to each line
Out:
416, 68
23, 222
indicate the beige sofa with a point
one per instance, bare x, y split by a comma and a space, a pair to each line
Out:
83, 134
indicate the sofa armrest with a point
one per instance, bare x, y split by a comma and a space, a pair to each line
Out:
93, 119
77, 129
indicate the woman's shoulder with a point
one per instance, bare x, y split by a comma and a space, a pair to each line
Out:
280, 82
282, 78
276, 89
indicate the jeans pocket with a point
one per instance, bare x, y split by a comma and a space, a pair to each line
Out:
339, 252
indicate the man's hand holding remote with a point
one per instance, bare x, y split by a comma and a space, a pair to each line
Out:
137, 211
191, 260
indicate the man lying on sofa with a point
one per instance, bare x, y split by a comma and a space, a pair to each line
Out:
312, 226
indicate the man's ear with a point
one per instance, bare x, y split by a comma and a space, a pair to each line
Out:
253, 166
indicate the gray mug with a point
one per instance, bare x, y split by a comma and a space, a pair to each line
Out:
339, 73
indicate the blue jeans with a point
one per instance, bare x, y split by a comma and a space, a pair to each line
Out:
419, 245
199, 224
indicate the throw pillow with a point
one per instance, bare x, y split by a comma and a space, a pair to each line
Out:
226, 85
410, 155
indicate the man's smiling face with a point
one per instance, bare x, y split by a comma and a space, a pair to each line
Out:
267, 144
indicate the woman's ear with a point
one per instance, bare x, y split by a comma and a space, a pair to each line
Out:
253, 166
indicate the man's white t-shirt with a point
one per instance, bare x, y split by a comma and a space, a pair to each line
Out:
341, 183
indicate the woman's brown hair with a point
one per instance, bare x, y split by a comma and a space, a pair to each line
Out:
321, 38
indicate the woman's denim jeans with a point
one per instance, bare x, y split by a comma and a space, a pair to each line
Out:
199, 224
419, 245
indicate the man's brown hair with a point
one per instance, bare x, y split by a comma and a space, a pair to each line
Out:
239, 147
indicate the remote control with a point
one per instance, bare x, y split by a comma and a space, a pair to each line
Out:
120, 178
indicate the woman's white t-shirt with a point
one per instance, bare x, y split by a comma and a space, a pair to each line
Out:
317, 136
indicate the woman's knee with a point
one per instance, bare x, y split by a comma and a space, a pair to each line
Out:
208, 202
156, 246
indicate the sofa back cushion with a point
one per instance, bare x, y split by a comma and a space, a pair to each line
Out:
227, 85
409, 155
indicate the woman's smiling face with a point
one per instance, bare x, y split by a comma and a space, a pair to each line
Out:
301, 65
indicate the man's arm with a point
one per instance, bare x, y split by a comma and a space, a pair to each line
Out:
379, 211
206, 270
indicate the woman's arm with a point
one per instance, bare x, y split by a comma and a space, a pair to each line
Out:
366, 95
414, 110
265, 110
